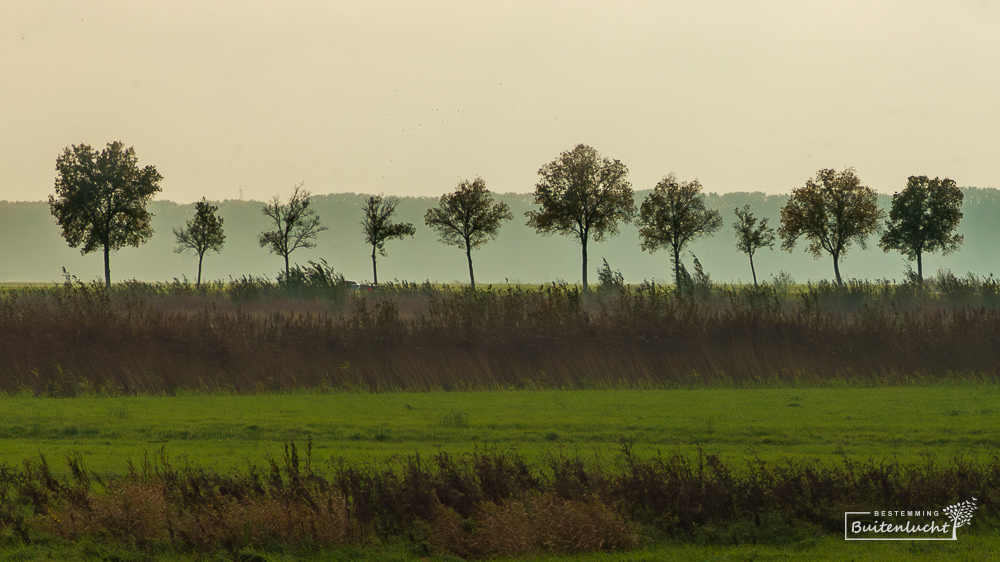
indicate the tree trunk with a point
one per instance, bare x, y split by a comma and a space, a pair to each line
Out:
472, 275
286, 267
107, 266
583, 243
677, 268
374, 268
752, 271
920, 267
836, 269
201, 256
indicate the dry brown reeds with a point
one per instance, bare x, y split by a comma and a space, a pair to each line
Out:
137, 338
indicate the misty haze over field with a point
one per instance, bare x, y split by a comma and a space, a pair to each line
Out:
241, 100
36, 251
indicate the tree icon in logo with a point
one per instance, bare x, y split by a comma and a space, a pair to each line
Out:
961, 514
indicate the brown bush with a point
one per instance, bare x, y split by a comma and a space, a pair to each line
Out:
129, 513
140, 515
545, 522
577, 526
235, 525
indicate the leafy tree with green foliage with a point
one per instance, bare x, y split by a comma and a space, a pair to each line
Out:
582, 195
751, 236
832, 211
378, 227
101, 198
673, 215
923, 218
468, 218
295, 225
201, 234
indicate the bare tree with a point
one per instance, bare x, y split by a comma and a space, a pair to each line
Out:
201, 234
378, 226
751, 236
468, 218
295, 225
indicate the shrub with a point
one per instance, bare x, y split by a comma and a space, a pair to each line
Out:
609, 281
317, 280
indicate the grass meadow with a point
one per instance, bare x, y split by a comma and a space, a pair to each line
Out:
910, 423
259, 421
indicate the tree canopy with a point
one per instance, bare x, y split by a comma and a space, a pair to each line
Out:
673, 215
295, 225
468, 218
751, 236
832, 211
101, 198
377, 225
582, 195
201, 233
923, 218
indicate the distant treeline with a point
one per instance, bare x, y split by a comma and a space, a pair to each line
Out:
36, 252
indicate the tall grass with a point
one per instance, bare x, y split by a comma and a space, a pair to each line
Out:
257, 335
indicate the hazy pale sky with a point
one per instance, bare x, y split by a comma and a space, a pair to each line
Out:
409, 97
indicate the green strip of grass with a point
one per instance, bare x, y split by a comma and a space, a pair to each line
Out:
911, 423
972, 545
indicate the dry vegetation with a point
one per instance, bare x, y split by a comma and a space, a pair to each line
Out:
479, 505
252, 335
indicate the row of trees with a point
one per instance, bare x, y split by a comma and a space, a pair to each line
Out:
101, 198
586, 196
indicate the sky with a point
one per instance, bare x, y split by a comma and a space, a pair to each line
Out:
246, 99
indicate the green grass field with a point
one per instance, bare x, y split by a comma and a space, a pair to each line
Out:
220, 431
973, 547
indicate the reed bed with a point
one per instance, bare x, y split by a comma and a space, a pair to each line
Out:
257, 335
